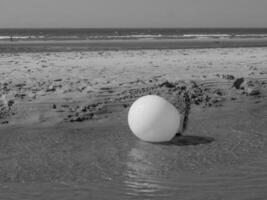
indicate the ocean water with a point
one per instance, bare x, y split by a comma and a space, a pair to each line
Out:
130, 33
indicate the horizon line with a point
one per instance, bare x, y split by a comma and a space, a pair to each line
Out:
133, 27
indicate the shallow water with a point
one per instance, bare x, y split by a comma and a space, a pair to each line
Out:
221, 156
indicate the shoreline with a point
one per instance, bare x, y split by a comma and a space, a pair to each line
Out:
142, 44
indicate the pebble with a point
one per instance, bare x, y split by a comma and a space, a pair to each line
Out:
167, 84
238, 83
51, 88
82, 117
10, 102
228, 77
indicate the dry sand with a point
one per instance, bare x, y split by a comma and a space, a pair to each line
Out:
64, 132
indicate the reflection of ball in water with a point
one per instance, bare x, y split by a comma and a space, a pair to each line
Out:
153, 119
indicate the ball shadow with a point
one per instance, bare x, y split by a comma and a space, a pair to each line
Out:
184, 140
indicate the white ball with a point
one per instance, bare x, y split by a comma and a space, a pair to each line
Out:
153, 119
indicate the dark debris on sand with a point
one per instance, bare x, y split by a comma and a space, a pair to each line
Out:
249, 87
84, 112
181, 94
5, 107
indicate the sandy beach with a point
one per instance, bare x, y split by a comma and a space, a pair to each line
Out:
64, 131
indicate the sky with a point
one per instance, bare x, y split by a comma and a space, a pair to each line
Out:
132, 13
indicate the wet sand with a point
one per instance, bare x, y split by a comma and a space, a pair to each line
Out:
140, 44
64, 131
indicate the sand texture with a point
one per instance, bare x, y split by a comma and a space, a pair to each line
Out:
64, 131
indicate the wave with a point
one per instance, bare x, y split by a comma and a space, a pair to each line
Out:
17, 37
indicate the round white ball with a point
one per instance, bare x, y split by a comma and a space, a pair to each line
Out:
153, 119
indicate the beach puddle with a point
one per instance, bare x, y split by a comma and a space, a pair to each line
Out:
259, 112
222, 155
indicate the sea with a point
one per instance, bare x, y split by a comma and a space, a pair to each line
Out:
47, 34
